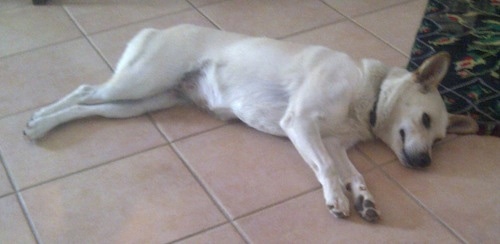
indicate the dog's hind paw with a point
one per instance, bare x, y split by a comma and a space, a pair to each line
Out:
31, 134
366, 209
34, 129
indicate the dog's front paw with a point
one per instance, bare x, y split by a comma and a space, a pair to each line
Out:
366, 209
339, 206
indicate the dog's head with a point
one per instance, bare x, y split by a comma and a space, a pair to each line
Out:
413, 115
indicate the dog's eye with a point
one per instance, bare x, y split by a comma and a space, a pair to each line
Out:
402, 134
426, 120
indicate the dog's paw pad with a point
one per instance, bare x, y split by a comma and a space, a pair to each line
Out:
366, 209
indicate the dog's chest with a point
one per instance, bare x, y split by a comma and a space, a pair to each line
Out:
347, 129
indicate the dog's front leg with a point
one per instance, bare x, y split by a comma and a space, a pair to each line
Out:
353, 181
305, 135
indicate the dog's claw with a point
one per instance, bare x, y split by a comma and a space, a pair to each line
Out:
336, 213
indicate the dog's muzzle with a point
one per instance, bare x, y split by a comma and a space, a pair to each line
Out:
417, 160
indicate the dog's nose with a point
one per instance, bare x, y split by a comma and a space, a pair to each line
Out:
422, 160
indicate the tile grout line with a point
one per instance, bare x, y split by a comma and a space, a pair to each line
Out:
149, 18
203, 14
9, 176
379, 167
334, 22
21, 202
203, 132
170, 144
211, 196
424, 207
127, 24
40, 47
7, 194
288, 199
352, 20
183, 238
92, 167
87, 38
381, 39
370, 11
31, 224
85, 34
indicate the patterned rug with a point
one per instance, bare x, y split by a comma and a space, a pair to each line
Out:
470, 31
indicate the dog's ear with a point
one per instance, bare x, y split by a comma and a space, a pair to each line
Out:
432, 71
461, 124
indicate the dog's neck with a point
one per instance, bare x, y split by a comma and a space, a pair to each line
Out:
388, 96
373, 112
375, 73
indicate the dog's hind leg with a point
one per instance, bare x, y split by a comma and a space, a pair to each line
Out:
138, 75
75, 97
39, 126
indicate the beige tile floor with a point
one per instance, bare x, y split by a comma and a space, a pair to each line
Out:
181, 176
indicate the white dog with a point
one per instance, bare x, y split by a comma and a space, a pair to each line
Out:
284, 89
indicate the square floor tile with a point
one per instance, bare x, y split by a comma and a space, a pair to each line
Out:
460, 187
358, 7
94, 16
184, 120
5, 187
113, 43
245, 169
397, 25
25, 28
306, 219
147, 198
276, 18
71, 147
225, 234
13, 225
350, 38
39, 77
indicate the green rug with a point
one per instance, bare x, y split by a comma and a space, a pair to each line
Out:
470, 31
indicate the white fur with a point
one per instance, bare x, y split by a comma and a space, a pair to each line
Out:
303, 92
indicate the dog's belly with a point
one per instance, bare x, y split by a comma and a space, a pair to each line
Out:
259, 104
